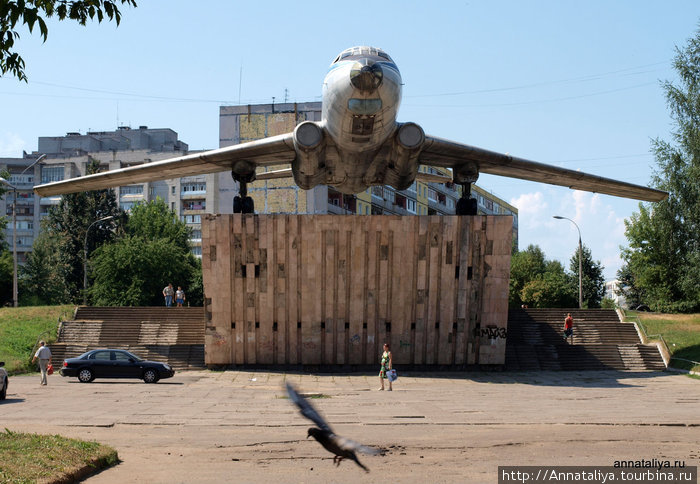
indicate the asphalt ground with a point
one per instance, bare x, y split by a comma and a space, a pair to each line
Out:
238, 426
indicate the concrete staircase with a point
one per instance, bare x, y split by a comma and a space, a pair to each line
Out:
601, 342
170, 335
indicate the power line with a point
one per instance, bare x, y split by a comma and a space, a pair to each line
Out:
586, 78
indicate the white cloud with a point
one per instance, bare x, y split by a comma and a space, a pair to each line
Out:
11, 145
529, 203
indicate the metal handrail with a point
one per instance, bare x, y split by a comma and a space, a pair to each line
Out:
660, 338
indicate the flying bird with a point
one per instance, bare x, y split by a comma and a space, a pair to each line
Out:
340, 446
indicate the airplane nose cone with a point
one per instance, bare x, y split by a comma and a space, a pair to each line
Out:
366, 76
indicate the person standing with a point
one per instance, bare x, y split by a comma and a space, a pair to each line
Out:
179, 296
569, 328
43, 354
168, 293
386, 366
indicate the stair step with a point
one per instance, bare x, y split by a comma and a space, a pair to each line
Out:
171, 335
536, 341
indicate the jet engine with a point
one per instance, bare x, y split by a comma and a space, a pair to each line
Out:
309, 166
403, 161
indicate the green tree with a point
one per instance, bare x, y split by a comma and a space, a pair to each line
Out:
538, 282
153, 251
549, 289
69, 222
40, 281
628, 287
31, 13
592, 281
664, 238
524, 265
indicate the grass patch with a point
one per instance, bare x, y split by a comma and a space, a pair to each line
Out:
19, 330
681, 333
29, 458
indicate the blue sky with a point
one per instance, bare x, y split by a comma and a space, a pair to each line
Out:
575, 84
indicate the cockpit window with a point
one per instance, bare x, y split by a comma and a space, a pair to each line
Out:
364, 106
362, 51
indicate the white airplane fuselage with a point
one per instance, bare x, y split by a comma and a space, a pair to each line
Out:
357, 144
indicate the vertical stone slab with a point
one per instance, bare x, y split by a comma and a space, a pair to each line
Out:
293, 247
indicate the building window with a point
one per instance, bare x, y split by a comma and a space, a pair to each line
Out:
24, 225
194, 205
389, 195
197, 250
22, 179
51, 174
172, 190
131, 190
192, 188
411, 205
191, 219
196, 235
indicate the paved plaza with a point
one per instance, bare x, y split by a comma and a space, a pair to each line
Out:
238, 426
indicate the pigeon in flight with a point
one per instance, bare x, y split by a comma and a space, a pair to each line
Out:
340, 446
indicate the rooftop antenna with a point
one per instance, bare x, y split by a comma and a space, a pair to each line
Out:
286, 95
240, 82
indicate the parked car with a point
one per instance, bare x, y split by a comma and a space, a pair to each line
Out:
110, 363
3, 381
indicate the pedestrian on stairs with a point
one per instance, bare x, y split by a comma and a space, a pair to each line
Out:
179, 296
569, 328
168, 293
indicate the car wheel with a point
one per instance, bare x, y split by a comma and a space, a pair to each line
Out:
3, 393
85, 375
150, 376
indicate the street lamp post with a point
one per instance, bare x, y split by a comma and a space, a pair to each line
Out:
580, 261
110, 217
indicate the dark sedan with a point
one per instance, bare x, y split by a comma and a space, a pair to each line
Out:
108, 363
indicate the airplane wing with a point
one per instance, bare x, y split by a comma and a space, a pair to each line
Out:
269, 151
449, 154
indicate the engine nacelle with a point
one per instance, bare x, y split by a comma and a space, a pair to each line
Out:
403, 165
309, 167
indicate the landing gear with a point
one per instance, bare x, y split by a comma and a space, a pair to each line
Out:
243, 203
466, 205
